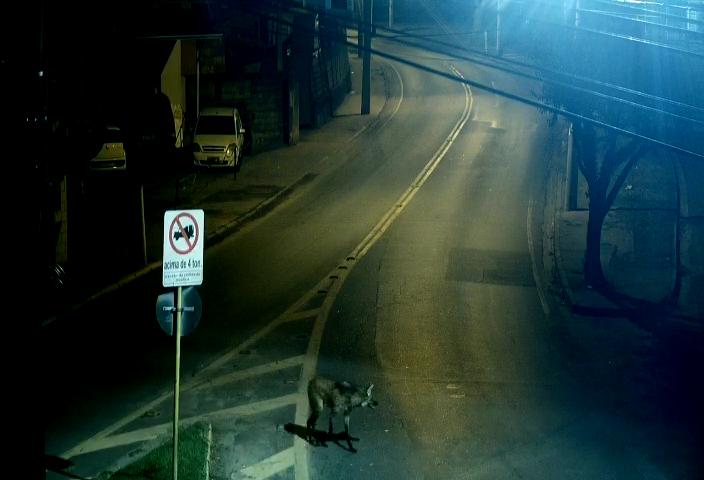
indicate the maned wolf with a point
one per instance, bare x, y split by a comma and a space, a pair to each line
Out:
339, 397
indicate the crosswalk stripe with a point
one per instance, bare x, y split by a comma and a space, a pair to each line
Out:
150, 433
269, 466
302, 315
252, 372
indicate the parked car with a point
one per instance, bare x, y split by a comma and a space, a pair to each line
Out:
219, 138
111, 155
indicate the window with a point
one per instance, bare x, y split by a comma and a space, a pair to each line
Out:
215, 125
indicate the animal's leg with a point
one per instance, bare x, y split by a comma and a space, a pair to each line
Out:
347, 432
310, 424
332, 414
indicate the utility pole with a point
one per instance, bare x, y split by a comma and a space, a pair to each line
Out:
391, 13
498, 27
360, 31
366, 60
197, 80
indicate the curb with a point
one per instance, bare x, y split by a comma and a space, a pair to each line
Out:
385, 67
567, 292
210, 450
259, 211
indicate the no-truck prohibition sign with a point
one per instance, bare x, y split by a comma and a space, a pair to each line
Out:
183, 248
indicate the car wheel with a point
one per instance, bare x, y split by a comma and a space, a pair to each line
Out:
238, 159
236, 164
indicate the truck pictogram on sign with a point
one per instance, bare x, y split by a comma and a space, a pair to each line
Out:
184, 227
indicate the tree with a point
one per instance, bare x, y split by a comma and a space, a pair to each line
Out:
605, 159
604, 152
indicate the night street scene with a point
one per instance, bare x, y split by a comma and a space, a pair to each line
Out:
357, 239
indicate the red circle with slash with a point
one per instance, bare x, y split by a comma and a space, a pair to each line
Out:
177, 223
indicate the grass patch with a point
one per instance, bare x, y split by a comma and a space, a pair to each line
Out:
193, 449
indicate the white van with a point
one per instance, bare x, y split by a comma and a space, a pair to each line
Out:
218, 138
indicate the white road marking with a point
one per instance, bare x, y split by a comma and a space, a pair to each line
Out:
127, 438
252, 372
270, 466
150, 433
359, 132
198, 379
85, 446
422, 177
309, 364
303, 315
247, 343
301, 448
251, 408
210, 451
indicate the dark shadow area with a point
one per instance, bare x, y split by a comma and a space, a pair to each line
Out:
58, 465
674, 357
646, 314
320, 438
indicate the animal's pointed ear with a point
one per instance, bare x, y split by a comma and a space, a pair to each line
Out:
369, 390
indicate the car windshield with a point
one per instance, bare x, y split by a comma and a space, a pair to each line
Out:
112, 136
215, 125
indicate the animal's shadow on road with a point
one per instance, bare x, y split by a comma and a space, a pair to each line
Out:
320, 438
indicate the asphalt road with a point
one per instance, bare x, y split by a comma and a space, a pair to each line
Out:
443, 315
473, 367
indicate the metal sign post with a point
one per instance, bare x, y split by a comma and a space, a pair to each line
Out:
188, 307
178, 377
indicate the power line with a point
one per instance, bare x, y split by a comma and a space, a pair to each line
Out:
540, 105
647, 23
636, 9
565, 85
532, 67
625, 38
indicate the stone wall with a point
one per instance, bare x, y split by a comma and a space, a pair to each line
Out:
260, 100
320, 79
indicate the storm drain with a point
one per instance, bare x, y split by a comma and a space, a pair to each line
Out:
490, 266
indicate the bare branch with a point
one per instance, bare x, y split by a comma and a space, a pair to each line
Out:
618, 183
